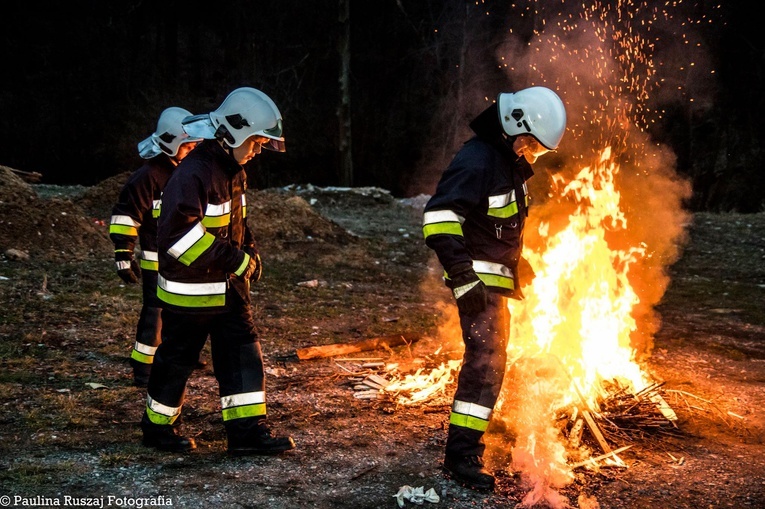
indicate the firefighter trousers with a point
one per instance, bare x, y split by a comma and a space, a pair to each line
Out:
480, 378
237, 363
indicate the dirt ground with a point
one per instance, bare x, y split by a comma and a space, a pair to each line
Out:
341, 265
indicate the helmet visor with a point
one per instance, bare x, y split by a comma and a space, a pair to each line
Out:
275, 145
276, 140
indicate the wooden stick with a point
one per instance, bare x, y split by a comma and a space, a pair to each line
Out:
596, 431
315, 352
664, 408
27, 176
601, 457
678, 391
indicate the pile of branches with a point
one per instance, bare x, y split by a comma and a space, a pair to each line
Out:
625, 416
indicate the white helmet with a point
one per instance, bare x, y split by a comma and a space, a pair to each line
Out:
248, 112
537, 111
169, 135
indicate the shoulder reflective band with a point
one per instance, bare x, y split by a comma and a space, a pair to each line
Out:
470, 415
217, 216
124, 225
444, 222
248, 404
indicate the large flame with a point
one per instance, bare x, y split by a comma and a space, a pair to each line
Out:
580, 305
573, 329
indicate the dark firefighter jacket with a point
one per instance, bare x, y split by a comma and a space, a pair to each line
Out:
478, 211
203, 234
135, 214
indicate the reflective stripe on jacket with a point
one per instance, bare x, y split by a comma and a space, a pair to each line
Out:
478, 211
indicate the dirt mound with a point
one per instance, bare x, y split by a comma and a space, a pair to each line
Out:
13, 189
280, 219
77, 226
46, 229
97, 201
52, 230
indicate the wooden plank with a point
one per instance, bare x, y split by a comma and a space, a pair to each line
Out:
664, 408
315, 352
596, 431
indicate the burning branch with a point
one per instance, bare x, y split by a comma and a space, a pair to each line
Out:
315, 352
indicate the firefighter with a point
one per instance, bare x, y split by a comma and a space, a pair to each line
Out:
474, 224
207, 260
134, 217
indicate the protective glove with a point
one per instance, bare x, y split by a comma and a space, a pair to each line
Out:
127, 267
468, 289
253, 252
524, 273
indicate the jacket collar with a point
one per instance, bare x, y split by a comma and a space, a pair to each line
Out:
488, 127
221, 155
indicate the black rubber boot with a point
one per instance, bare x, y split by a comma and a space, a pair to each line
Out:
166, 438
470, 471
258, 441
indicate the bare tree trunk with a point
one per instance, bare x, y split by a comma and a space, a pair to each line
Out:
344, 106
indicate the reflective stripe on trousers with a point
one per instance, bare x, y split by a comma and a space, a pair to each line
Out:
147, 336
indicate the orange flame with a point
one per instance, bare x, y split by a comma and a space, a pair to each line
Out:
579, 306
573, 329
422, 386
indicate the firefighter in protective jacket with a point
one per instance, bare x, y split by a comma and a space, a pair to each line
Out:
134, 218
474, 223
207, 260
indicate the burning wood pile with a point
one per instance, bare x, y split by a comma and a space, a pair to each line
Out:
613, 421
616, 420
622, 417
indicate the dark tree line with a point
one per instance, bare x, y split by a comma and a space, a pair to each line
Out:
379, 97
